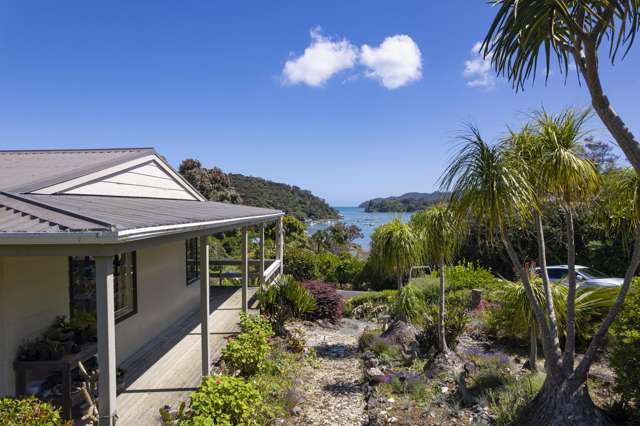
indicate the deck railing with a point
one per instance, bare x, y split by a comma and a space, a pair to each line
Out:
271, 269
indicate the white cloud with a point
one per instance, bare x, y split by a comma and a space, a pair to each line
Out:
320, 61
395, 63
477, 69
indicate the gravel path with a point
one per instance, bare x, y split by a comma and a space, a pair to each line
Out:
333, 390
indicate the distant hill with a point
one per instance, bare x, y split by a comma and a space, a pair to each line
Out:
409, 202
301, 203
217, 185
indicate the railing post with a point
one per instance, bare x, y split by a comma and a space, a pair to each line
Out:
204, 304
106, 340
261, 254
245, 268
280, 244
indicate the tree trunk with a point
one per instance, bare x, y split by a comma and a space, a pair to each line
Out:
587, 61
580, 374
442, 340
399, 282
542, 259
533, 348
555, 405
551, 351
570, 343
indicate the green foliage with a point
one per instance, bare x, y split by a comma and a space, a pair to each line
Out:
224, 400
301, 264
370, 305
349, 270
410, 202
284, 300
247, 352
327, 264
625, 350
455, 322
468, 276
291, 199
524, 35
439, 232
371, 340
509, 402
395, 248
214, 184
409, 306
28, 411
255, 324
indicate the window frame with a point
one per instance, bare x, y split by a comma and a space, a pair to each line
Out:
134, 290
187, 246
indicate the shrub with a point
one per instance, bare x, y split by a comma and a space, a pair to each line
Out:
301, 264
349, 270
455, 322
284, 300
224, 400
28, 411
327, 263
625, 350
468, 276
329, 304
508, 403
246, 353
410, 306
255, 324
376, 297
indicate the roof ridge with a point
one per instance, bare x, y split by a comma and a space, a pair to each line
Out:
64, 150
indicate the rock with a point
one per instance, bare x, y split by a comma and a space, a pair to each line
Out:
391, 400
296, 411
444, 389
393, 420
470, 368
401, 333
375, 374
368, 355
371, 362
476, 297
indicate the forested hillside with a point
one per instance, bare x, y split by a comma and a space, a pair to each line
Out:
409, 202
299, 202
217, 185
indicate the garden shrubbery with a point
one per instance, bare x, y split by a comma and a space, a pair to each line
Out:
625, 350
329, 304
455, 323
28, 411
247, 352
284, 300
224, 400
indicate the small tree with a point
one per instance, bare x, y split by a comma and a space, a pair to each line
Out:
395, 249
440, 235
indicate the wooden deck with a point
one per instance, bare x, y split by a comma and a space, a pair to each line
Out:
168, 370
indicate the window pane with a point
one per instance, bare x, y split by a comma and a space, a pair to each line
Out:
192, 257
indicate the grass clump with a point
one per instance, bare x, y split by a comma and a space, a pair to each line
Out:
508, 402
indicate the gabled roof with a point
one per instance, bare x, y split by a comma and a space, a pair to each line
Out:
37, 205
27, 171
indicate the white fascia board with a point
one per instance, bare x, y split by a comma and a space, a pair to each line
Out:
82, 180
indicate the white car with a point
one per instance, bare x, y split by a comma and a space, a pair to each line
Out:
587, 277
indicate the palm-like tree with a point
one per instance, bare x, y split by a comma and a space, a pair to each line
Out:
486, 184
526, 32
440, 233
571, 179
395, 248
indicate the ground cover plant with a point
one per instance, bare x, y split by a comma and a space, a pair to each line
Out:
28, 411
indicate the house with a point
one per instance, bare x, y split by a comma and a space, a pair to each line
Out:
117, 232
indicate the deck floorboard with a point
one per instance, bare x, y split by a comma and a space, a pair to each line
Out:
167, 370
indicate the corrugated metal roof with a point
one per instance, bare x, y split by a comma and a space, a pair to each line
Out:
23, 171
88, 213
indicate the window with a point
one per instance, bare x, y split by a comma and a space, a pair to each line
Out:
556, 273
193, 260
82, 285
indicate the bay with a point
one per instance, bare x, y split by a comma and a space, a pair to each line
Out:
367, 222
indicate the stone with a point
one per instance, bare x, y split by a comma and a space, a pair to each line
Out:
393, 420
444, 389
375, 375
296, 411
371, 362
401, 333
476, 297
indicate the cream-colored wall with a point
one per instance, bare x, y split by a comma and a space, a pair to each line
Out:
33, 291
163, 297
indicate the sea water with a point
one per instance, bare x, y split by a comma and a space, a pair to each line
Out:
367, 222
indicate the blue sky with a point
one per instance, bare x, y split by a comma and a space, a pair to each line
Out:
208, 80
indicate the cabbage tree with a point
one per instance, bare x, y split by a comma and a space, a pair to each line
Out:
395, 248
